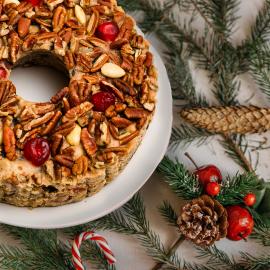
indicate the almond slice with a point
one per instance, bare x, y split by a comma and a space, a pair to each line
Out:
80, 15
112, 71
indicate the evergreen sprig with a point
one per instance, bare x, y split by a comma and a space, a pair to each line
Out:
184, 184
167, 211
235, 188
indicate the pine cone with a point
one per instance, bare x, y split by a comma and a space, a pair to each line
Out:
229, 120
203, 221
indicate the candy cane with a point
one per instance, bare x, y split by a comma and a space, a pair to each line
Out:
100, 241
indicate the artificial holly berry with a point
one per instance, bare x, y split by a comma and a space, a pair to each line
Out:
207, 173
3, 73
102, 100
107, 31
240, 221
212, 188
34, 3
37, 151
250, 199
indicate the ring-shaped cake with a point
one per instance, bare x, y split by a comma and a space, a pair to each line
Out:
64, 150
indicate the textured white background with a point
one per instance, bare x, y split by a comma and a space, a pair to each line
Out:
130, 255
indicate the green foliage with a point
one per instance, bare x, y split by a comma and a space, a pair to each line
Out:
168, 213
235, 188
43, 251
184, 184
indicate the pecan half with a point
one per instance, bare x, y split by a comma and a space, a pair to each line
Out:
9, 141
7, 91
39, 121
58, 18
135, 113
81, 166
69, 60
14, 47
65, 128
99, 62
121, 122
59, 95
130, 137
76, 112
93, 23
88, 142
79, 92
124, 87
48, 129
56, 143
64, 160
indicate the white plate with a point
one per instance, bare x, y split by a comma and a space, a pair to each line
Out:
114, 195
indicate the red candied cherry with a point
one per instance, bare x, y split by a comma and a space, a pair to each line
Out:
107, 31
3, 73
212, 188
206, 174
240, 221
37, 151
34, 3
250, 199
102, 100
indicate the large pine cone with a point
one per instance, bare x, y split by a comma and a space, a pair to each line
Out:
229, 120
203, 221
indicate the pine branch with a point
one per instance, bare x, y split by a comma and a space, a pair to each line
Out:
45, 252
216, 257
180, 180
186, 134
234, 150
131, 220
261, 233
168, 213
234, 189
250, 262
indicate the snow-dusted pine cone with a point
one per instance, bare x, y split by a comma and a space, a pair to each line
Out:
203, 221
229, 120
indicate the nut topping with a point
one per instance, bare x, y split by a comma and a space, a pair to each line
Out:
111, 70
88, 142
81, 166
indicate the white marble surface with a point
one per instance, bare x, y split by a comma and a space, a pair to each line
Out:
130, 255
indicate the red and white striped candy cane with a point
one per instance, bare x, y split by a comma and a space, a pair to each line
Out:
100, 241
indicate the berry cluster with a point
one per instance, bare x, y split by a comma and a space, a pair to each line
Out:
240, 220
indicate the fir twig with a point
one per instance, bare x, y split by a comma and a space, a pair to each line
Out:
180, 180
168, 213
233, 149
235, 188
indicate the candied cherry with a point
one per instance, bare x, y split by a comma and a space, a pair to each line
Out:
103, 100
3, 73
107, 31
37, 151
34, 3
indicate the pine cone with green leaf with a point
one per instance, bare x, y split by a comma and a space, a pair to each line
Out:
203, 221
229, 120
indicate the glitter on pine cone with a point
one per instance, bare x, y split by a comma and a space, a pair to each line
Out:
229, 120
203, 221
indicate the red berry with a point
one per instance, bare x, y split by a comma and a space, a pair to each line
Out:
107, 31
208, 173
240, 221
37, 151
250, 199
34, 2
102, 100
3, 73
212, 189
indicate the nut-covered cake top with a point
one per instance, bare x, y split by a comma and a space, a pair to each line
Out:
111, 95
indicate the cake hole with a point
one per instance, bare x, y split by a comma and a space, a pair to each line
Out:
39, 76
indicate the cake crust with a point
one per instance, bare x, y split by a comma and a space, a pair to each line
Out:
89, 148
